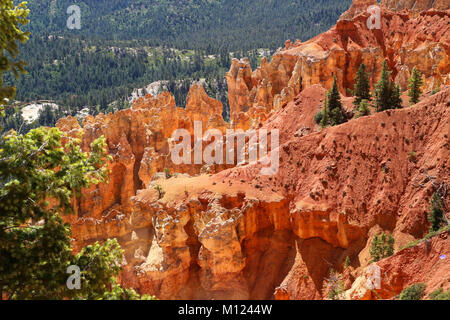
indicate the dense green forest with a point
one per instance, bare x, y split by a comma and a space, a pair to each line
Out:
127, 44
192, 24
101, 74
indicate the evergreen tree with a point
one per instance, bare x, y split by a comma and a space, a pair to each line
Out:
396, 100
382, 89
415, 83
439, 294
331, 113
334, 286
413, 292
336, 116
11, 19
318, 117
362, 86
335, 105
436, 215
387, 93
35, 243
347, 262
382, 247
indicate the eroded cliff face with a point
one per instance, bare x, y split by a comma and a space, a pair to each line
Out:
216, 236
405, 39
138, 139
225, 232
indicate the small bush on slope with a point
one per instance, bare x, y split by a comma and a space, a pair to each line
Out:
413, 292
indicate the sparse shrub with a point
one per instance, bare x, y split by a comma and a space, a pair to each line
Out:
414, 292
440, 295
363, 109
160, 191
167, 173
436, 215
318, 117
382, 247
347, 262
412, 156
335, 286
437, 87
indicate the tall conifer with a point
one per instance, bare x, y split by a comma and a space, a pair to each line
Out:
415, 82
362, 86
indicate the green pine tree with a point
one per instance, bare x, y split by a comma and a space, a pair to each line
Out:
387, 93
11, 19
347, 262
413, 292
335, 286
334, 104
396, 100
35, 243
382, 247
415, 84
382, 89
440, 294
362, 86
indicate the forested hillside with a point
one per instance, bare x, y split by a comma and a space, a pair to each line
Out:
193, 24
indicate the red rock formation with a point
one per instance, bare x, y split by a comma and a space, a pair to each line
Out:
138, 141
405, 40
332, 189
